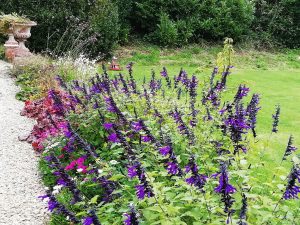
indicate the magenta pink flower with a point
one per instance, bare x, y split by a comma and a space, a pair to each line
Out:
80, 165
71, 166
80, 160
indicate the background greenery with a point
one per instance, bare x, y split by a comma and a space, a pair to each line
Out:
99, 25
65, 25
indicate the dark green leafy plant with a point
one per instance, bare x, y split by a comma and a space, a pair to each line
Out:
104, 20
210, 20
166, 33
276, 22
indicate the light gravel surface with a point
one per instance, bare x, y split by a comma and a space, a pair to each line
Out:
20, 184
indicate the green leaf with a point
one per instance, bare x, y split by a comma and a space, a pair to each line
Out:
94, 199
155, 208
243, 161
116, 177
280, 186
117, 191
187, 198
91, 185
79, 204
81, 214
150, 215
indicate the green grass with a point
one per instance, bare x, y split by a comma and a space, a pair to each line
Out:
196, 56
274, 75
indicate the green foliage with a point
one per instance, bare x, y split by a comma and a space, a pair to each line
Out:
46, 173
2, 51
192, 20
266, 23
185, 31
34, 75
230, 19
28, 89
225, 57
166, 32
170, 33
175, 201
124, 11
104, 20
56, 219
73, 18
277, 22
168, 23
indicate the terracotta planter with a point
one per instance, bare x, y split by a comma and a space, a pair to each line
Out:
21, 32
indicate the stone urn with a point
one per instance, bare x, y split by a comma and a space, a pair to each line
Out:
11, 45
21, 31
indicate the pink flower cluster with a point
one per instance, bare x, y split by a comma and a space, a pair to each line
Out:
79, 163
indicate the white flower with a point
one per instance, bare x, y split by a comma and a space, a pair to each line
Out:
55, 192
100, 171
79, 170
52, 145
56, 189
46, 200
114, 162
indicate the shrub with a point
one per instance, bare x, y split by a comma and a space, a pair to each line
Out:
224, 19
125, 12
104, 20
166, 32
211, 20
277, 22
185, 31
266, 22
170, 33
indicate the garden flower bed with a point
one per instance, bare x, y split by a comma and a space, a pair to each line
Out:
168, 150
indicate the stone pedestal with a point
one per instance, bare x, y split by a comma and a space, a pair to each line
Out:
11, 45
21, 32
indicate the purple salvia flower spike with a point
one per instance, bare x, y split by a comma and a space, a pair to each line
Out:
276, 119
252, 110
292, 190
289, 148
241, 92
243, 212
197, 180
131, 218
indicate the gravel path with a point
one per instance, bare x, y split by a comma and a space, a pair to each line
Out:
20, 184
